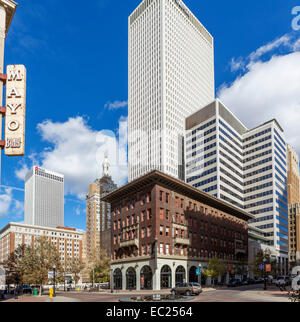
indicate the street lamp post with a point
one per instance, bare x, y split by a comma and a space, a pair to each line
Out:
200, 277
111, 281
93, 277
54, 268
265, 277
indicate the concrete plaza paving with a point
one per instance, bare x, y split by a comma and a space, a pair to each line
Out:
252, 293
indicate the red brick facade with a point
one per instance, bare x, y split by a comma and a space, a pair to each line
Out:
160, 213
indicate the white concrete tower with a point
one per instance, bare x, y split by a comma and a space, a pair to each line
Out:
171, 75
44, 198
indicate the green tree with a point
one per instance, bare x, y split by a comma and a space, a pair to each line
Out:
14, 266
260, 259
38, 261
215, 268
75, 268
100, 272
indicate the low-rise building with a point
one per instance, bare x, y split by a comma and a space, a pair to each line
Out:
67, 240
163, 229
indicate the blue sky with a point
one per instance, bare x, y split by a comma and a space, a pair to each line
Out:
76, 60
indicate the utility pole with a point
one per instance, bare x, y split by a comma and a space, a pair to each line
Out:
7, 11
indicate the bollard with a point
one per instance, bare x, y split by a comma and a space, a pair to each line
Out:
51, 293
78, 290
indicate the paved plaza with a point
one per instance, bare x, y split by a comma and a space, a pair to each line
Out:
252, 293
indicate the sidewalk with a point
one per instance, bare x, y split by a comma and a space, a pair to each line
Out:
142, 292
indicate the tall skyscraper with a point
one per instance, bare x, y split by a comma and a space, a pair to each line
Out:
247, 168
293, 176
98, 214
171, 75
44, 198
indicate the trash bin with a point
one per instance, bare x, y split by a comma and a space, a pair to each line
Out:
35, 292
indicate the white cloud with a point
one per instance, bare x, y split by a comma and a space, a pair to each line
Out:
24, 169
268, 90
78, 152
6, 200
288, 42
282, 41
21, 173
236, 64
116, 105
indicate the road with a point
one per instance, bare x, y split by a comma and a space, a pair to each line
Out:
253, 293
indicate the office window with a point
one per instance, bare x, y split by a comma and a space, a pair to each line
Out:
161, 214
167, 249
167, 198
161, 230
161, 196
161, 249
168, 214
149, 231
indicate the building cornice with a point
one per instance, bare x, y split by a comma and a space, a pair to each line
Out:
157, 177
10, 7
63, 229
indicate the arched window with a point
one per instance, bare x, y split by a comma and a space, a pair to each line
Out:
118, 279
130, 279
180, 275
146, 278
166, 277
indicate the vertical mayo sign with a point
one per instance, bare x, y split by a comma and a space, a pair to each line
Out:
15, 110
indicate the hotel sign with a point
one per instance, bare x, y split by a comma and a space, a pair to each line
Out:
15, 110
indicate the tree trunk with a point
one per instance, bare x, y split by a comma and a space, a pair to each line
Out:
41, 287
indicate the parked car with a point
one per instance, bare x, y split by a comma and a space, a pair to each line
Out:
248, 281
259, 280
282, 281
234, 283
187, 289
27, 289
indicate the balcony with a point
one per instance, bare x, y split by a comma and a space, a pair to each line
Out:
179, 225
182, 241
240, 250
129, 243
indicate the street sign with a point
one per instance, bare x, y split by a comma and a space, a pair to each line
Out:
261, 267
268, 268
50, 275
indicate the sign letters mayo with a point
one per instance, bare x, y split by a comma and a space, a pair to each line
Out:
15, 110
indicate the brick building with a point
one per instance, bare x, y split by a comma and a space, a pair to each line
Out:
67, 240
162, 229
